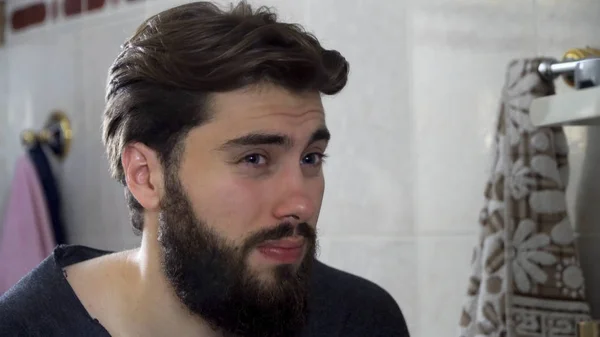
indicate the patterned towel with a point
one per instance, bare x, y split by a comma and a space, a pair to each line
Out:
525, 278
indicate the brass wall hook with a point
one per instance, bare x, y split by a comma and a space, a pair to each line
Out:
56, 134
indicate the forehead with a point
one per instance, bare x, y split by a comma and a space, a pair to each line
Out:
267, 107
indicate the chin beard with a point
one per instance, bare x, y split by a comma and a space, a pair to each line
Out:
212, 278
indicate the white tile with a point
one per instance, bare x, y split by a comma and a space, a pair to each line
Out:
100, 211
458, 63
153, 7
287, 11
369, 178
479, 26
42, 77
368, 184
561, 26
376, 92
113, 15
390, 263
443, 273
43, 32
455, 106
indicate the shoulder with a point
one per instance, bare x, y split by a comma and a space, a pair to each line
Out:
43, 302
364, 306
27, 301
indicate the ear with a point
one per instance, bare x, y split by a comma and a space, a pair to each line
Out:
143, 174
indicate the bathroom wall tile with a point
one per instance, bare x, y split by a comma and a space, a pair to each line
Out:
32, 97
390, 263
155, 6
35, 89
561, 26
453, 134
369, 176
368, 185
112, 14
102, 214
458, 61
480, 26
287, 10
35, 33
444, 266
12, 5
373, 40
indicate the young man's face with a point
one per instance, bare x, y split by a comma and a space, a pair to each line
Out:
237, 224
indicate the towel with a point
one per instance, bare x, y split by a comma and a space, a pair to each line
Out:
525, 277
27, 231
43, 167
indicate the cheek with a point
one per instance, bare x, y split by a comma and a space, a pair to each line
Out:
231, 207
319, 191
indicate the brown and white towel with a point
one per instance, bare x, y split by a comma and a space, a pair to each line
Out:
526, 280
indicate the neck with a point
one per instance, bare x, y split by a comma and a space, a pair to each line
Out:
157, 309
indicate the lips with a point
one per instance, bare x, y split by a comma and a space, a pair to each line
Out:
287, 250
288, 243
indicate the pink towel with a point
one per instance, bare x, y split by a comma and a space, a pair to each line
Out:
27, 237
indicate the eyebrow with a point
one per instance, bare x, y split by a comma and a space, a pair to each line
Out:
263, 138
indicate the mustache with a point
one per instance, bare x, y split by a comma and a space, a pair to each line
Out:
279, 232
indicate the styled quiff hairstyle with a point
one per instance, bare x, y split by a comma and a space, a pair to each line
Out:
159, 86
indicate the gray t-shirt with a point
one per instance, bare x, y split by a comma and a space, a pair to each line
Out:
44, 304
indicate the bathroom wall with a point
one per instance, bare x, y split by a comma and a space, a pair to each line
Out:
412, 131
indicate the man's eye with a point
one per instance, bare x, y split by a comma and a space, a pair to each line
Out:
255, 159
314, 159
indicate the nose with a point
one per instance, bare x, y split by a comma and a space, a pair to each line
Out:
296, 198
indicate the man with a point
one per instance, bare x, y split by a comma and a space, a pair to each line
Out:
215, 127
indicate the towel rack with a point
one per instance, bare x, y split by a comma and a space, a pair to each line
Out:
579, 67
56, 134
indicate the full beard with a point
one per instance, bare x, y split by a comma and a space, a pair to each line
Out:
213, 280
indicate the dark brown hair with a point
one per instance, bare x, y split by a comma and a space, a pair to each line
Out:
160, 83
